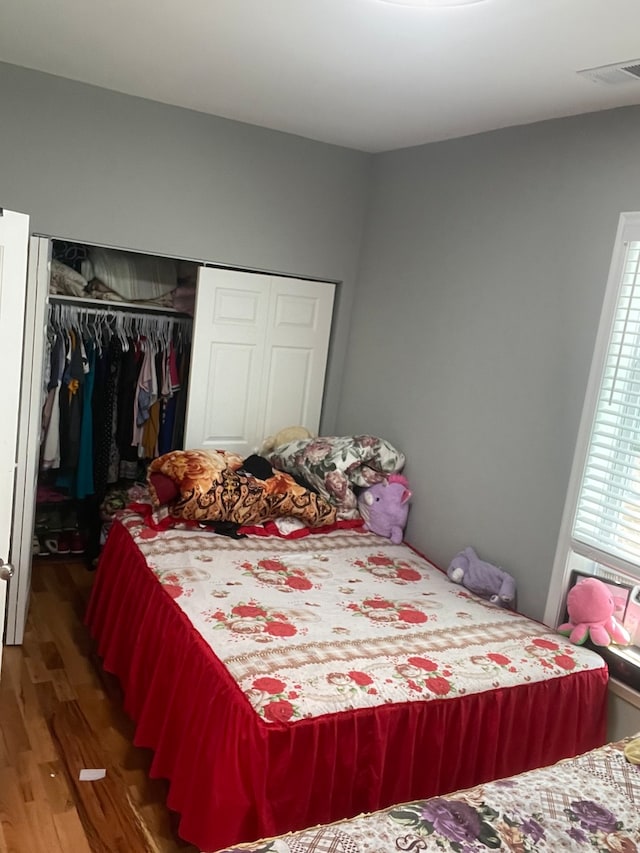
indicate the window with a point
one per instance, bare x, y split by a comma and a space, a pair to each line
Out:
600, 532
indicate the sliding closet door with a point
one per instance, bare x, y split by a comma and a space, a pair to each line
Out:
226, 361
258, 358
296, 350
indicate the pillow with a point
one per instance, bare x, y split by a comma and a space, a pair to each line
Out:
187, 470
66, 281
206, 486
244, 499
163, 488
335, 464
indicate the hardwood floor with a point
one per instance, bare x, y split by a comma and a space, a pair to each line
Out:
60, 713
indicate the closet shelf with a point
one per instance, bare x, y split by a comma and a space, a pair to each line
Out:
108, 305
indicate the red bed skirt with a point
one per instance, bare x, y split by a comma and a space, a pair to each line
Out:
235, 778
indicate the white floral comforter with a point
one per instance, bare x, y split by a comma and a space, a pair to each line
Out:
345, 620
589, 803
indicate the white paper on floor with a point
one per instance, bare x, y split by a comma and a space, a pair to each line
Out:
90, 775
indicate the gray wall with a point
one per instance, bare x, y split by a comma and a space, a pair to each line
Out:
481, 277
94, 165
481, 282
623, 713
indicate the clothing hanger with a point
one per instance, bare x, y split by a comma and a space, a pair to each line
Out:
102, 324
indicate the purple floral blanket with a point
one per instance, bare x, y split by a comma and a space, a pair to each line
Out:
589, 803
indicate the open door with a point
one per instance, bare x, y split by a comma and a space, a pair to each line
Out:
29, 425
14, 241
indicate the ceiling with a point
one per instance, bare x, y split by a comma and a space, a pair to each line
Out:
365, 74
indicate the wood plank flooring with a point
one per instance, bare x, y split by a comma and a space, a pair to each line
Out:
59, 712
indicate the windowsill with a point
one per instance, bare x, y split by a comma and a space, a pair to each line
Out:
625, 692
623, 663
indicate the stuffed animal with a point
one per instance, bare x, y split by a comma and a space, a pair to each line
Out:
284, 436
385, 507
590, 606
485, 579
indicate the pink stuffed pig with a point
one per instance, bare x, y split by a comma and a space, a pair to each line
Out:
590, 606
385, 506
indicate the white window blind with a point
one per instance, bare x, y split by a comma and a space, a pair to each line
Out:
600, 529
607, 514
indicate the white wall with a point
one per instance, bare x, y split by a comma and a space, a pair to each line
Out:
623, 712
89, 164
482, 277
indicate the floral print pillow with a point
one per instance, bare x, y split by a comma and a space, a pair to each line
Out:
333, 465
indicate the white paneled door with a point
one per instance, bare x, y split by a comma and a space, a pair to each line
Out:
14, 241
295, 355
225, 374
258, 360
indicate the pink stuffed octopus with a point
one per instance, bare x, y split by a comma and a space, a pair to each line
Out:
590, 606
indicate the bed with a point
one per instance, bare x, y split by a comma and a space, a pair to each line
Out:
287, 682
591, 802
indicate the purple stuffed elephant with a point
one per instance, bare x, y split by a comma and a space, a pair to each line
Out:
385, 506
485, 579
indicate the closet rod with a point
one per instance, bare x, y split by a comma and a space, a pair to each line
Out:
107, 305
150, 325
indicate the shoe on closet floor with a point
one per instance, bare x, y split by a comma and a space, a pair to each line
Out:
60, 544
64, 543
76, 543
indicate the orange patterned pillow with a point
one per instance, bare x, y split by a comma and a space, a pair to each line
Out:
188, 470
202, 485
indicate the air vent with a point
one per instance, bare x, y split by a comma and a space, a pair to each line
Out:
614, 75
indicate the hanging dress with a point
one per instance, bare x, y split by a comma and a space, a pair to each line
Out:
84, 477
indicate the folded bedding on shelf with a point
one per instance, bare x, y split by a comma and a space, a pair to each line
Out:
131, 276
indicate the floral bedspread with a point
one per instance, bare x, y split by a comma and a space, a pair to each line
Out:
345, 620
589, 803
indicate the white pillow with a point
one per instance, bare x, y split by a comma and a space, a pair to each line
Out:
65, 280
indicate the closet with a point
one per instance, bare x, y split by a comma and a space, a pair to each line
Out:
236, 356
115, 377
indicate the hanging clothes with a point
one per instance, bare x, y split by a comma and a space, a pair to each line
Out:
93, 360
146, 393
70, 398
111, 378
127, 448
170, 387
84, 475
50, 435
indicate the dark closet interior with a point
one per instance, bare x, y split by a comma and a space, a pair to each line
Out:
114, 393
